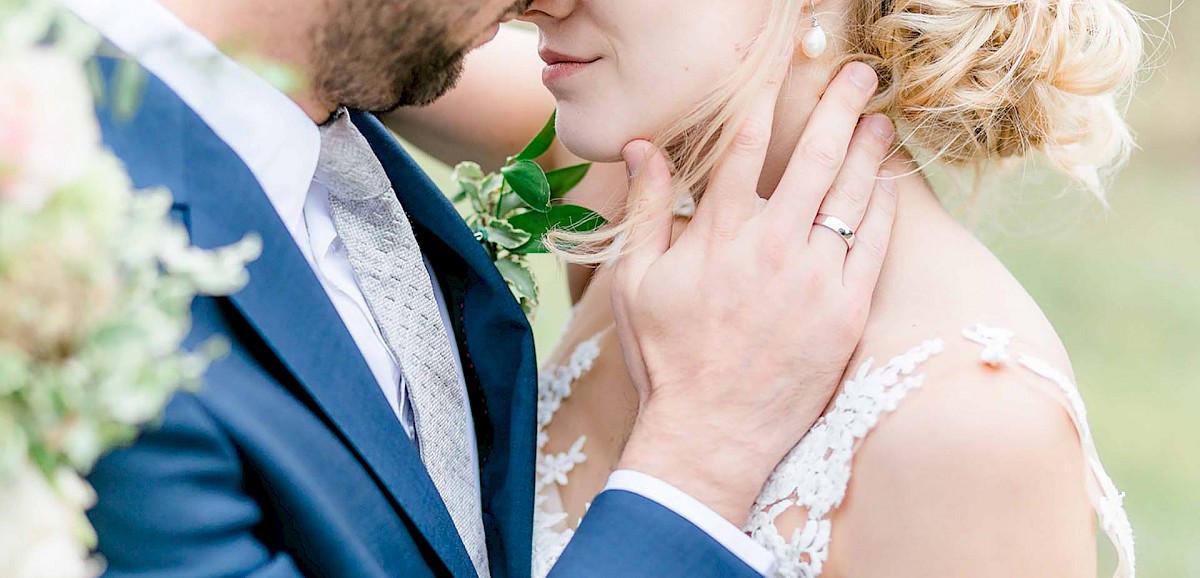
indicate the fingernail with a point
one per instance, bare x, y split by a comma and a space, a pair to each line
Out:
881, 126
862, 75
635, 156
887, 181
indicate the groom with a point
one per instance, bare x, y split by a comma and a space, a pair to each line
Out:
376, 414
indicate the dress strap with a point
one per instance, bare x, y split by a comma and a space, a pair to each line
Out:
1107, 500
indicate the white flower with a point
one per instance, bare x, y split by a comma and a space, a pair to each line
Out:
48, 130
43, 531
95, 287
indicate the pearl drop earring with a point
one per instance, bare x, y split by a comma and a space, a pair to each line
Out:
814, 41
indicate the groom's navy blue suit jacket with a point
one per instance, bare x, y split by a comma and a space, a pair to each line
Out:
288, 461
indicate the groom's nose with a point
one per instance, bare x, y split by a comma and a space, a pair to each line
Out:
556, 9
517, 9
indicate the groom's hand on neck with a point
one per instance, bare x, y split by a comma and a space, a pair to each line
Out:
737, 334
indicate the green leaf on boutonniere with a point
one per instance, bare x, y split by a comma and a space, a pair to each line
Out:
513, 210
562, 217
520, 278
565, 179
540, 143
529, 182
469, 178
467, 171
509, 203
489, 192
505, 235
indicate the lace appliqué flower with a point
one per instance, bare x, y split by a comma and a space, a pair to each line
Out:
551, 529
816, 473
995, 343
814, 477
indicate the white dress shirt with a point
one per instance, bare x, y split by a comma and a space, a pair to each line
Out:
280, 145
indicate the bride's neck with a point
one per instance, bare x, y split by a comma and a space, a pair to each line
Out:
797, 101
919, 208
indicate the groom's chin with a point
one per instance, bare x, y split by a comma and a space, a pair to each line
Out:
410, 88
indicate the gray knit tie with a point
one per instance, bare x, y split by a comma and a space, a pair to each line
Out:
391, 272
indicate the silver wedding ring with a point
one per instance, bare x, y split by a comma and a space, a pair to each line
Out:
837, 226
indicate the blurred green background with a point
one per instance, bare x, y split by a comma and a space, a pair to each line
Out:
1121, 284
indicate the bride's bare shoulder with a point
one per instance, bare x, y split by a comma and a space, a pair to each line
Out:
980, 463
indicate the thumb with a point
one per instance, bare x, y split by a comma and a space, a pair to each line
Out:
648, 211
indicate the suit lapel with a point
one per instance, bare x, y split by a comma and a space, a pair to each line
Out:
284, 301
498, 350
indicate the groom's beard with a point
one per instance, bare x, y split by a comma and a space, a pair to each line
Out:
370, 55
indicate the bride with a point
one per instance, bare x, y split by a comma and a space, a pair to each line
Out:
958, 444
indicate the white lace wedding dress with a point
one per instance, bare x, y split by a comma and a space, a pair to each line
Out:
816, 473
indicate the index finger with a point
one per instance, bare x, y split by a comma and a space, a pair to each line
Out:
732, 194
822, 149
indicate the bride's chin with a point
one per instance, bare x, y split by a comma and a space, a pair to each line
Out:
590, 142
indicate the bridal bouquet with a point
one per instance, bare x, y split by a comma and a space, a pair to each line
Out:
513, 210
96, 284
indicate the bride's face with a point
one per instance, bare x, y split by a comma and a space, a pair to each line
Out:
624, 69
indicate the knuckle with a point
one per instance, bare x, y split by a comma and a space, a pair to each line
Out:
719, 233
887, 205
856, 196
887, 211
851, 107
872, 247
812, 284
754, 136
776, 252
822, 155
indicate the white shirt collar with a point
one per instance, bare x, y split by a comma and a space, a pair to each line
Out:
272, 135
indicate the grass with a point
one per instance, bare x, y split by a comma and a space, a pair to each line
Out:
1124, 293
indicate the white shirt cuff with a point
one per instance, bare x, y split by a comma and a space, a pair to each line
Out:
718, 528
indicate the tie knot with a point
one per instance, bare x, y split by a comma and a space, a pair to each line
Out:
347, 164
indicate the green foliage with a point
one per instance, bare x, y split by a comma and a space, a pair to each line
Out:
565, 179
518, 275
540, 143
560, 217
513, 210
503, 233
529, 182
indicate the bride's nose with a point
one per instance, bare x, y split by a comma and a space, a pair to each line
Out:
542, 10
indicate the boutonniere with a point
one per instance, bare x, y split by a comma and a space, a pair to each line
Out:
511, 211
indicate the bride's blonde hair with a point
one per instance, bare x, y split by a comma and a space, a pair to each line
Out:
969, 83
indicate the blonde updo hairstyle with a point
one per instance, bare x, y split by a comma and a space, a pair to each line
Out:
969, 83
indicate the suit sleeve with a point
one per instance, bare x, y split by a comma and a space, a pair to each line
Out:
172, 505
629, 535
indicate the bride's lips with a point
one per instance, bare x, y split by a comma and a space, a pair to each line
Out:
559, 66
